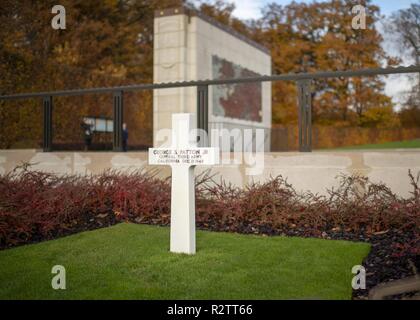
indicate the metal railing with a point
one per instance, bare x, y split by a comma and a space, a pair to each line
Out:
303, 81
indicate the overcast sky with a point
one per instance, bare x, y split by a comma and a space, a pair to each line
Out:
247, 9
251, 9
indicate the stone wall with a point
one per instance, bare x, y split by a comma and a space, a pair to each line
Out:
314, 171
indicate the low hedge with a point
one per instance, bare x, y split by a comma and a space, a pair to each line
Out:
36, 206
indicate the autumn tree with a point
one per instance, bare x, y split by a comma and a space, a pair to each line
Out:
319, 36
405, 25
110, 43
222, 11
106, 43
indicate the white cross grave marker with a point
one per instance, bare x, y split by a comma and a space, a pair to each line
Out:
183, 156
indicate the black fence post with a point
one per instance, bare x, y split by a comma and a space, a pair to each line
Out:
48, 109
305, 115
203, 111
118, 120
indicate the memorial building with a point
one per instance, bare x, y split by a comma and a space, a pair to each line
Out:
191, 46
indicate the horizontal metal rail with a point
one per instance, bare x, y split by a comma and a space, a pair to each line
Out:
303, 81
284, 77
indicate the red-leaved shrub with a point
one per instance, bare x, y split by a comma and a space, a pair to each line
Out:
35, 205
357, 206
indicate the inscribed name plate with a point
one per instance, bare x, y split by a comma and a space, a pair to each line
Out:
185, 156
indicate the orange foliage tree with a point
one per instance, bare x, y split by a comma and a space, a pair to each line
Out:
109, 43
319, 36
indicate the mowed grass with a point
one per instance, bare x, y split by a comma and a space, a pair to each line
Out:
129, 261
407, 144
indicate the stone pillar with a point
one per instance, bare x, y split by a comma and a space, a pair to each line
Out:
172, 55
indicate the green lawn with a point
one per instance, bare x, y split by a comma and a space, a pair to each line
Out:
129, 261
407, 144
